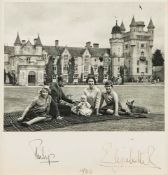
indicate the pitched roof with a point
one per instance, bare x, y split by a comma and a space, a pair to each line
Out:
139, 23
38, 41
9, 50
122, 27
76, 51
133, 23
99, 52
17, 41
150, 25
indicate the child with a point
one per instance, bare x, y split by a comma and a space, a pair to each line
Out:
83, 108
113, 106
39, 109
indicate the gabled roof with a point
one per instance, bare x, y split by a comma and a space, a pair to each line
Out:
9, 50
150, 25
76, 51
140, 23
17, 41
98, 52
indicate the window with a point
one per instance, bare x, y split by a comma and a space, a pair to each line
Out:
105, 68
138, 62
142, 53
76, 68
126, 46
65, 68
118, 59
106, 59
95, 68
146, 62
65, 57
146, 70
137, 69
86, 68
28, 59
142, 45
54, 67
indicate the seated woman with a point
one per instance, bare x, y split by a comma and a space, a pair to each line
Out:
113, 106
93, 94
83, 108
39, 109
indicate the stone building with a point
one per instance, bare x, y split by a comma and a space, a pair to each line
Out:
129, 51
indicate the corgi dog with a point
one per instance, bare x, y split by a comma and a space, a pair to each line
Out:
136, 109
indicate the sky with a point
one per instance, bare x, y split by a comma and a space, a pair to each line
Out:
73, 24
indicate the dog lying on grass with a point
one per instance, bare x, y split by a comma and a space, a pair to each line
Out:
136, 109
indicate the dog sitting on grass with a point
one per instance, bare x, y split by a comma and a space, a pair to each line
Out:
136, 109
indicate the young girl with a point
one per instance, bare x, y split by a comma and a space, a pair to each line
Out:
83, 108
39, 109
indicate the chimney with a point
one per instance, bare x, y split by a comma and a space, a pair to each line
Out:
23, 42
35, 40
56, 43
95, 45
88, 44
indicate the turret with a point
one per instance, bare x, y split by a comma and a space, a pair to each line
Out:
151, 31
17, 45
122, 27
38, 46
133, 25
151, 27
116, 31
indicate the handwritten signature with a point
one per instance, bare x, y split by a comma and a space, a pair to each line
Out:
40, 153
114, 157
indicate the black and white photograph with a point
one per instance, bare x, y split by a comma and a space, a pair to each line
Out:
84, 66
83, 87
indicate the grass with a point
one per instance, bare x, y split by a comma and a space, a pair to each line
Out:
17, 98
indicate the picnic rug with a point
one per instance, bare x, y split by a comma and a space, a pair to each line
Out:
11, 124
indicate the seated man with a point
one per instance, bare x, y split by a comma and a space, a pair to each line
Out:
57, 94
113, 106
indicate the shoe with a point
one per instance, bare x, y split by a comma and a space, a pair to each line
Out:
25, 124
20, 119
59, 118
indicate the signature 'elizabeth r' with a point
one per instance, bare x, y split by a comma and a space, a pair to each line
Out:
115, 157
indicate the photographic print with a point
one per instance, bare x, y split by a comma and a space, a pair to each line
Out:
83, 87
84, 66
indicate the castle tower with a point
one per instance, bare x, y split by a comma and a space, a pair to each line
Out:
38, 46
116, 43
17, 45
138, 50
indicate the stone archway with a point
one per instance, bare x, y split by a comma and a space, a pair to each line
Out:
31, 78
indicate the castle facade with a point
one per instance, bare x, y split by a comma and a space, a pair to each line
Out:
129, 56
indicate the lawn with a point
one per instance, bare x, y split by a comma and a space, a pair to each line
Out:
151, 96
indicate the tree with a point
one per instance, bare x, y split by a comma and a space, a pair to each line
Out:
122, 73
71, 70
157, 59
100, 74
92, 71
4, 76
109, 72
59, 66
49, 70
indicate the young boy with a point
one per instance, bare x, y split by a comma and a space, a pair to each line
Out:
113, 106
